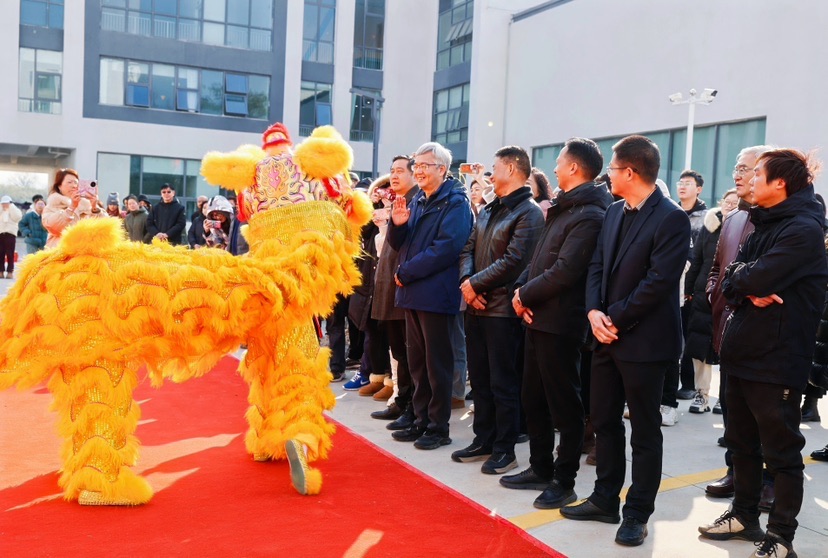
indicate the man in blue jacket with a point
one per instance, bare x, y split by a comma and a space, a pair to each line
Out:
777, 286
429, 236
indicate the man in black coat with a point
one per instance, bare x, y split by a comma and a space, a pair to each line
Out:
496, 253
776, 285
167, 220
633, 308
550, 298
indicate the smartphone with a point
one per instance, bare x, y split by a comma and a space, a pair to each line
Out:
466, 168
88, 188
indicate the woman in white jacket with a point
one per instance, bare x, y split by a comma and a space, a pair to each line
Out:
10, 216
66, 205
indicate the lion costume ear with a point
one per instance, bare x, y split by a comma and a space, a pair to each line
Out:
235, 170
324, 154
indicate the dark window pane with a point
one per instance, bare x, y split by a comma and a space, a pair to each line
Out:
374, 31
137, 95
187, 100
238, 12
235, 105
258, 100
56, 17
236, 83
166, 7
33, 13
212, 92
47, 87
324, 114
163, 86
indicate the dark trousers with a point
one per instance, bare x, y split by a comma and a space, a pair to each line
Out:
395, 333
723, 402
641, 384
764, 425
552, 399
687, 372
356, 339
431, 362
7, 243
376, 347
671, 381
586, 375
335, 328
491, 352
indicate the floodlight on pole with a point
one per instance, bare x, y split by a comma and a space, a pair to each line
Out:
376, 108
705, 98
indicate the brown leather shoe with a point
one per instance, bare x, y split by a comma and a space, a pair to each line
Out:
370, 389
722, 488
766, 500
384, 394
458, 403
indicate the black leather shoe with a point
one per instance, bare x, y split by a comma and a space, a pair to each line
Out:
820, 454
410, 434
555, 496
526, 480
522, 438
431, 440
722, 488
404, 421
721, 442
632, 532
474, 452
587, 511
392, 412
810, 413
766, 500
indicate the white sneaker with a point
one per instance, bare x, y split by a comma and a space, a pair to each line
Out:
700, 404
773, 546
669, 416
730, 526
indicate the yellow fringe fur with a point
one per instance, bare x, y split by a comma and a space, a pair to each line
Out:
86, 315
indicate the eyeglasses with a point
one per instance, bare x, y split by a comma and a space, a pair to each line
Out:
424, 166
166, 191
609, 169
741, 171
685, 184
728, 203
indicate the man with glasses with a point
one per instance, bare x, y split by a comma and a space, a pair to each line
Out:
429, 236
634, 313
735, 230
167, 220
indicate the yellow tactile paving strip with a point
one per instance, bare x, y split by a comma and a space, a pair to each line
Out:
543, 517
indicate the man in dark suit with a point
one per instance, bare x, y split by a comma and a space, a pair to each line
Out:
632, 302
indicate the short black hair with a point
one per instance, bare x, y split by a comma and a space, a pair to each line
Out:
36, 198
641, 154
695, 176
518, 156
587, 154
167, 185
409, 160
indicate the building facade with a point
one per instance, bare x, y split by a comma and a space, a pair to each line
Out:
134, 92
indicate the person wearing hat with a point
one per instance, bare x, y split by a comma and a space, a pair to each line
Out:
113, 206
144, 202
10, 216
167, 219
217, 224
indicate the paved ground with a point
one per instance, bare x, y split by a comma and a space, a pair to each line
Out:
691, 460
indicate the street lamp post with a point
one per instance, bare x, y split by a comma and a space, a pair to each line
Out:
376, 110
705, 98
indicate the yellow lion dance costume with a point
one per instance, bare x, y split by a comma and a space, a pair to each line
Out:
88, 314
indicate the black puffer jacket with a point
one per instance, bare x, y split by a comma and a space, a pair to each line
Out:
168, 218
554, 284
785, 255
359, 303
819, 365
699, 341
499, 249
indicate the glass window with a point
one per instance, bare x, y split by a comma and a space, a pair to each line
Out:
112, 82
238, 12
235, 105
236, 36
454, 33
213, 33
163, 86
314, 106
166, 7
236, 83
189, 8
368, 34
318, 31
450, 122
39, 81
214, 10
212, 92
113, 20
261, 13
362, 122
258, 98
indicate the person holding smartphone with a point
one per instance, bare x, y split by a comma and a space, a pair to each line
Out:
67, 204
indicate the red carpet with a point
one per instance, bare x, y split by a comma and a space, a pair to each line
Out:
213, 500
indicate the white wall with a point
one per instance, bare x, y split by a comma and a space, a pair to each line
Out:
600, 68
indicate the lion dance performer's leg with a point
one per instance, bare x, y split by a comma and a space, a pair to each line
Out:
98, 417
289, 390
